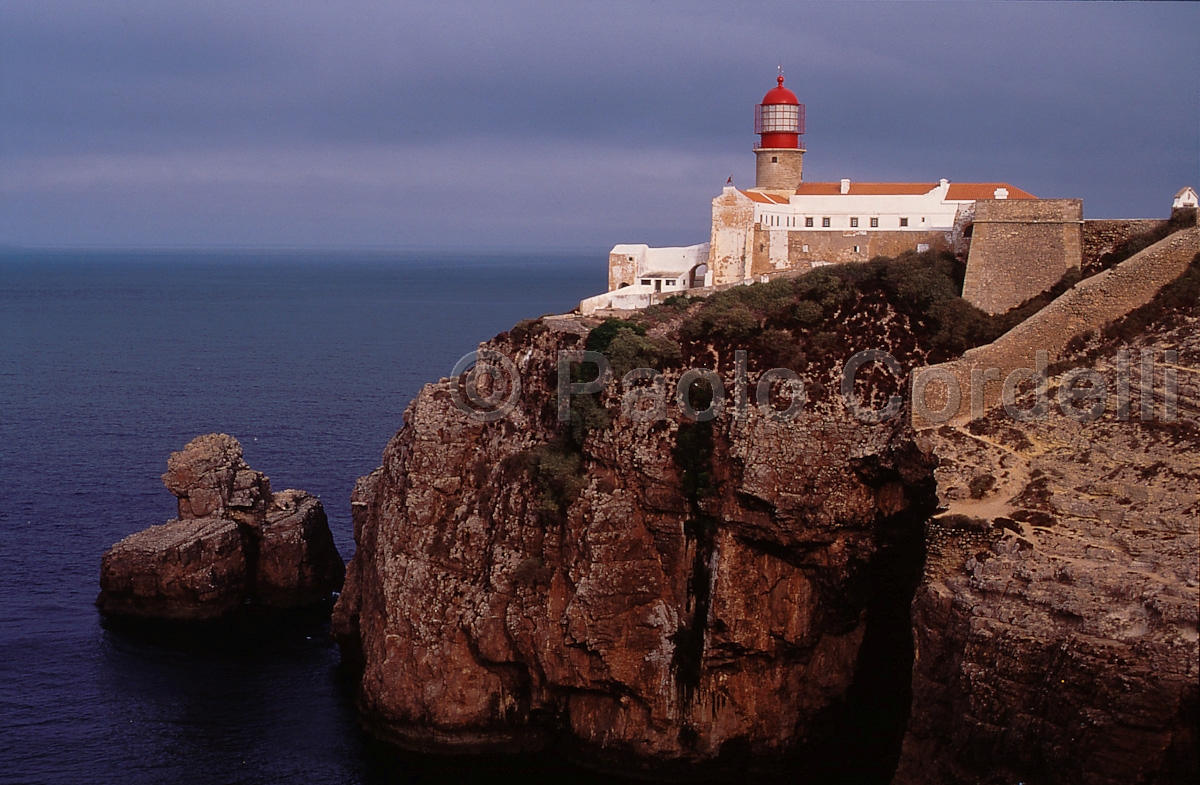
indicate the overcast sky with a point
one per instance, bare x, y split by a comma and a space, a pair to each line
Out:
540, 125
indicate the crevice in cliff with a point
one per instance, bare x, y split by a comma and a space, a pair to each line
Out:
693, 455
866, 731
250, 549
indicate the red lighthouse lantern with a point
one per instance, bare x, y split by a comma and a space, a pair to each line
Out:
779, 122
779, 119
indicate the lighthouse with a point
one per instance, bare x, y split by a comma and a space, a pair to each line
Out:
779, 122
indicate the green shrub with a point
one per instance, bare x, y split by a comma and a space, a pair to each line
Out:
600, 337
587, 415
778, 349
559, 474
807, 312
628, 350
980, 485
526, 329
677, 302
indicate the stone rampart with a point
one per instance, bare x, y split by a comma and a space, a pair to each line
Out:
806, 249
962, 390
1020, 248
1105, 236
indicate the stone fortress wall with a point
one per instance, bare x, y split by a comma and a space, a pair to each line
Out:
979, 374
1021, 248
775, 250
1101, 236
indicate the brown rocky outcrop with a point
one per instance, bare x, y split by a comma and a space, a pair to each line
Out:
234, 543
751, 594
1056, 625
702, 596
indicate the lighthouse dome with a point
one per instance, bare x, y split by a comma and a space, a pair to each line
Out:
779, 119
780, 94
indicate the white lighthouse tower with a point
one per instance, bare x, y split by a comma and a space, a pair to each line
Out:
779, 122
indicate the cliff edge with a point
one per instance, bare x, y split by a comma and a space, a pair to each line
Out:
724, 569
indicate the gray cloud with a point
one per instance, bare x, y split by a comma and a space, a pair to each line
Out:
546, 123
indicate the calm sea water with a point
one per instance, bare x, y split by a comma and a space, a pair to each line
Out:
108, 362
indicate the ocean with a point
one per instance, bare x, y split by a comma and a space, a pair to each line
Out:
109, 361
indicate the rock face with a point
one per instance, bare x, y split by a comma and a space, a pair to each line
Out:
667, 596
234, 543
701, 598
193, 569
1056, 625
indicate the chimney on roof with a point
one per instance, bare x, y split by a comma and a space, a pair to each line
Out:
944, 182
1000, 193
845, 185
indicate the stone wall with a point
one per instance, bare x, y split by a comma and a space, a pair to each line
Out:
1020, 248
1105, 236
807, 249
778, 168
978, 376
733, 217
622, 270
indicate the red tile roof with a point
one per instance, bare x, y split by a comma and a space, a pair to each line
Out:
865, 189
956, 191
761, 198
983, 191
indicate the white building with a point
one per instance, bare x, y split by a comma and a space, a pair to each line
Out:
785, 224
636, 273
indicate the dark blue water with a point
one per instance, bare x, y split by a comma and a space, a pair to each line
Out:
108, 362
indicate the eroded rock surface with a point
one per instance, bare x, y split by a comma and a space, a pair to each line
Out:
694, 599
234, 543
702, 598
1056, 626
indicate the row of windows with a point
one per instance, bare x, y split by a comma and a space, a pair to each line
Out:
773, 220
921, 248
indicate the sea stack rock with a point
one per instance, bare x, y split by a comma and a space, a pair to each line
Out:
234, 544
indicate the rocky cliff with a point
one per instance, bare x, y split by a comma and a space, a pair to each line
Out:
233, 544
1056, 623
734, 596
659, 595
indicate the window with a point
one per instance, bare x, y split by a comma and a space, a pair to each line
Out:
854, 223
804, 248
774, 159
645, 282
904, 222
808, 222
874, 223
825, 222
856, 249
